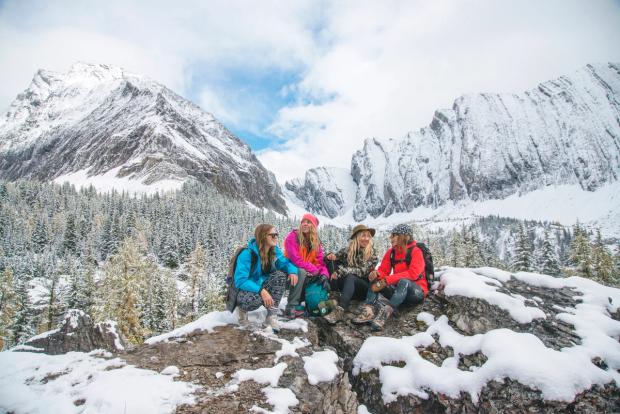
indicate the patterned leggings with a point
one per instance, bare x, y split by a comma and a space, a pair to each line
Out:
275, 285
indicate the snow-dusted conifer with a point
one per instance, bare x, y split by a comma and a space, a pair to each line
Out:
548, 259
522, 251
124, 282
581, 252
603, 262
196, 267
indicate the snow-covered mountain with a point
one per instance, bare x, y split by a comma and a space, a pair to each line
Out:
486, 147
101, 125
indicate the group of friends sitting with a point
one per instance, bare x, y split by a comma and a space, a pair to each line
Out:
263, 272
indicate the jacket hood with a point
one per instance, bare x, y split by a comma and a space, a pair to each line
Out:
252, 245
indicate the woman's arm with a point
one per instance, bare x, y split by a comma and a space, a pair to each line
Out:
292, 251
242, 272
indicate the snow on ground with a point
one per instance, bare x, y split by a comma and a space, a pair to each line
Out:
564, 204
109, 181
205, 323
321, 366
559, 375
40, 383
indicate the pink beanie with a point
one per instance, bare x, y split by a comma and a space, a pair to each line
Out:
311, 219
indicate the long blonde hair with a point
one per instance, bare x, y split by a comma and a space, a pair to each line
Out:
267, 253
354, 246
310, 242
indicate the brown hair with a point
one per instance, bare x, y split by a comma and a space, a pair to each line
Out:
402, 240
267, 253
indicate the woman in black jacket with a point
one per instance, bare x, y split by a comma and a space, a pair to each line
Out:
353, 264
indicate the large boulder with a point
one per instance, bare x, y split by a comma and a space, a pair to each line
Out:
77, 332
472, 317
216, 359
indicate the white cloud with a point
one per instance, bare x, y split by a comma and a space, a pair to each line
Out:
390, 65
366, 68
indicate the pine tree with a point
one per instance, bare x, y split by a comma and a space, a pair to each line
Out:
125, 275
455, 253
581, 252
23, 326
40, 238
549, 261
196, 267
69, 244
603, 261
522, 252
8, 306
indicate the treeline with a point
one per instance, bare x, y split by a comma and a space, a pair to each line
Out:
153, 262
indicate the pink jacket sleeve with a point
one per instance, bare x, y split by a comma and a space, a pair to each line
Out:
292, 252
322, 267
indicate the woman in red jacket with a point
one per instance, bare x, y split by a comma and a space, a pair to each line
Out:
396, 282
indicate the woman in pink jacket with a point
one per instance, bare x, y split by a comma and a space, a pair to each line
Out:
303, 248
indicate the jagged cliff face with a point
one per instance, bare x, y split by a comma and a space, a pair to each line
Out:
98, 118
490, 146
324, 190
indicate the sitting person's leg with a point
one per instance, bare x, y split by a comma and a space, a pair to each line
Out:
354, 287
295, 293
406, 292
275, 285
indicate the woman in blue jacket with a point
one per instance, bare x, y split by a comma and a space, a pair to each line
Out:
261, 275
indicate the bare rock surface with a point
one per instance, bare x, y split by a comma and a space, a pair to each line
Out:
212, 359
77, 332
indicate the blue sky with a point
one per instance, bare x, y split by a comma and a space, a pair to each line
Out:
306, 82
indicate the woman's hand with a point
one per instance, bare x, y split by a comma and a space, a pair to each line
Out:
334, 276
292, 278
331, 256
267, 299
373, 275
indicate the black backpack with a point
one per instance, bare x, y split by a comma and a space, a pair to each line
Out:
429, 268
232, 291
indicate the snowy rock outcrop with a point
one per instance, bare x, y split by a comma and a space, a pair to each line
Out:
101, 121
490, 342
77, 332
326, 191
490, 146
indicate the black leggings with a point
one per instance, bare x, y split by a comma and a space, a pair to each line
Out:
352, 287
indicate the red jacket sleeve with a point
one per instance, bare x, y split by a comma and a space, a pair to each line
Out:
415, 270
385, 268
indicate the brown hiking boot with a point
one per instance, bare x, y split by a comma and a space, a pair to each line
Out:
366, 315
384, 314
335, 315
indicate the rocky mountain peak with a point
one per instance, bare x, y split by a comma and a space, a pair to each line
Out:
102, 121
491, 146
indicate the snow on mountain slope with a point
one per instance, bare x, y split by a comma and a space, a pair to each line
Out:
83, 124
564, 204
490, 147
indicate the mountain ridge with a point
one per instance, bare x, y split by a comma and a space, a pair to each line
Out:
489, 146
96, 118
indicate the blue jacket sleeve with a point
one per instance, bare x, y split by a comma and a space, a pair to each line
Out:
284, 264
242, 278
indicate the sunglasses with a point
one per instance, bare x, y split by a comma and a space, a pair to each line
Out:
274, 235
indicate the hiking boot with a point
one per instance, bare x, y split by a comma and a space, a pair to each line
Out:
384, 314
335, 315
366, 315
293, 313
271, 321
242, 316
